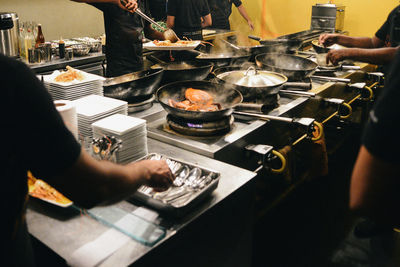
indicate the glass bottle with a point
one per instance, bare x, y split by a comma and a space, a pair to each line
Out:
40, 36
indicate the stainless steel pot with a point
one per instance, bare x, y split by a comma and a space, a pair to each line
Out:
9, 33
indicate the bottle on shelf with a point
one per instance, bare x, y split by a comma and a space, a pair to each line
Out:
40, 36
61, 48
28, 41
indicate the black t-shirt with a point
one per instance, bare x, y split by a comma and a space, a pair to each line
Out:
158, 9
187, 14
390, 30
381, 135
221, 11
34, 138
123, 38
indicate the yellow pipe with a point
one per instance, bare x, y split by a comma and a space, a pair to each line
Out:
283, 161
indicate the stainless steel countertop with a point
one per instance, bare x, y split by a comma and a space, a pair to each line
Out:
65, 235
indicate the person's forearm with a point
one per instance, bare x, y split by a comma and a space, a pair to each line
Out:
243, 12
206, 21
90, 182
377, 56
360, 42
152, 34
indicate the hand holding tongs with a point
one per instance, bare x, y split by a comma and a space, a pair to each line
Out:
169, 34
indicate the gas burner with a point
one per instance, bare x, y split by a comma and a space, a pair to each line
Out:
200, 128
269, 102
140, 103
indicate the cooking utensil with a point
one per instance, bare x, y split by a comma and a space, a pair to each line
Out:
294, 67
258, 84
169, 34
184, 70
281, 45
225, 96
133, 85
224, 59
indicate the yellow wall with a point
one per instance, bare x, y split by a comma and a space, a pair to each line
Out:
59, 18
362, 17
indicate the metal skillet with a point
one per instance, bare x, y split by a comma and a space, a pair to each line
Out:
184, 70
227, 97
224, 59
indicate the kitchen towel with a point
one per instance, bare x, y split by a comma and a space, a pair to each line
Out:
67, 111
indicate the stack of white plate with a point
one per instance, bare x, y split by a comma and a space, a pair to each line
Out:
91, 85
93, 108
131, 131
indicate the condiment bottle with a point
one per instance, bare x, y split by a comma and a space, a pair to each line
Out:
61, 48
40, 36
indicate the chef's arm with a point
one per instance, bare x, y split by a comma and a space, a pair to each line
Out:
90, 182
377, 56
130, 5
152, 34
170, 21
206, 21
243, 13
360, 42
374, 188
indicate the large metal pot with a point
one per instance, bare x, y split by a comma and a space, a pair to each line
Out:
9, 33
294, 67
132, 86
227, 97
184, 70
252, 83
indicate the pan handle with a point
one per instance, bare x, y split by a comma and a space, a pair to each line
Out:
254, 37
283, 161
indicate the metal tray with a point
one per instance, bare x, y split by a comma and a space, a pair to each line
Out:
192, 192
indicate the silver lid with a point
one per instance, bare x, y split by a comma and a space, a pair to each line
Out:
253, 78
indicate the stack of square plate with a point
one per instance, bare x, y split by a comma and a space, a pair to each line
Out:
93, 108
91, 85
131, 131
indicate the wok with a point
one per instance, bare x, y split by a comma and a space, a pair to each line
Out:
281, 45
226, 96
250, 91
184, 70
224, 59
133, 85
293, 67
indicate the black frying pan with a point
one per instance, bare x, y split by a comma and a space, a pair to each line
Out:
294, 67
224, 59
133, 85
227, 97
184, 70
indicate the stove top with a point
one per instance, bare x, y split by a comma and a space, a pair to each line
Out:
210, 146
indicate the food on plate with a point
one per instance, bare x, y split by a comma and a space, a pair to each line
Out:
169, 43
196, 100
70, 75
40, 189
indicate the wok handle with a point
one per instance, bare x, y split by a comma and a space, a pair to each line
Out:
254, 37
297, 85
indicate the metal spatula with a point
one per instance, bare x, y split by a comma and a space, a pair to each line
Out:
169, 34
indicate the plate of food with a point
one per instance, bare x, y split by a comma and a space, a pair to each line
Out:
40, 189
168, 45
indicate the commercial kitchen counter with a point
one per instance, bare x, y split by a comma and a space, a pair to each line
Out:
217, 232
91, 63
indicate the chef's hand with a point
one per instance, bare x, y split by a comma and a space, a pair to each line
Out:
130, 5
157, 174
337, 55
328, 39
251, 25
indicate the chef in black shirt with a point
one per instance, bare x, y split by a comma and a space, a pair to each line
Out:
221, 10
379, 50
188, 17
375, 183
37, 139
158, 9
124, 34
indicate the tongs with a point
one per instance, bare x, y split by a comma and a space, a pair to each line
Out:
169, 34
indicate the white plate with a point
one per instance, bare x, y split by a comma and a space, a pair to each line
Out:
152, 46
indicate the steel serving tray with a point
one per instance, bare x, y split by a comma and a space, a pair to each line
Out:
186, 202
